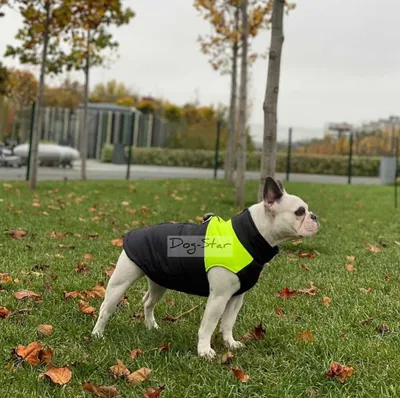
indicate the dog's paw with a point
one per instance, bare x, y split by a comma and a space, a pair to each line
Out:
206, 352
97, 334
234, 345
152, 325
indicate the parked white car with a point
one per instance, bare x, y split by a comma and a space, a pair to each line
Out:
8, 159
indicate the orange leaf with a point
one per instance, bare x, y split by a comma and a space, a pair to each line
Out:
373, 248
258, 333
4, 312
278, 311
307, 254
26, 294
119, 370
312, 290
53, 234
88, 257
286, 293
109, 272
350, 258
305, 267
152, 393
59, 376
86, 308
102, 391
46, 330
305, 336
73, 294
139, 376
340, 371
46, 355
117, 242
17, 233
240, 375
326, 301
6, 278
30, 353
135, 353
350, 267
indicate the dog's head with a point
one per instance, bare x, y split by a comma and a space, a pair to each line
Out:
290, 215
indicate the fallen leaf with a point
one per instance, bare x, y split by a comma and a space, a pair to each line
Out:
382, 329
86, 308
305, 336
373, 248
101, 391
17, 233
366, 321
326, 301
340, 371
363, 290
117, 242
312, 290
45, 330
152, 393
73, 294
46, 355
351, 258
135, 353
171, 302
59, 376
307, 254
30, 353
164, 347
297, 242
240, 375
27, 294
4, 312
304, 267
61, 246
6, 279
109, 272
258, 333
88, 257
350, 267
97, 291
286, 293
82, 268
119, 370
36, 204
227, 358
139, 376
278, 311
53, 234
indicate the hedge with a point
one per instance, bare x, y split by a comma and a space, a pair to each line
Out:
307, 164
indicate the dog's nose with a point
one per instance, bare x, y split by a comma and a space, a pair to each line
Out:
313, 217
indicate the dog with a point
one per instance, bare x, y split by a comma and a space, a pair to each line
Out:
217, 259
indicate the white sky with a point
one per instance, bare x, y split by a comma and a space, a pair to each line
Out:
341, 61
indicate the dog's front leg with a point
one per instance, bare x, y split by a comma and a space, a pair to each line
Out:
223, 284
228, 321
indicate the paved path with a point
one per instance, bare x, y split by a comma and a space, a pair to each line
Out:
106, 171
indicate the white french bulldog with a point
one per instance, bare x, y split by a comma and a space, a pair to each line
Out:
233, 254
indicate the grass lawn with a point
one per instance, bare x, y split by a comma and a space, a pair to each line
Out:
280, 365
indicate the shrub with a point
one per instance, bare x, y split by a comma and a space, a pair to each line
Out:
306, 164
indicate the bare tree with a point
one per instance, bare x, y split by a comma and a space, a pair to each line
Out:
268, 157
241, 147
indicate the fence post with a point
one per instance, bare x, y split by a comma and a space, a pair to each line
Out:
132, 128
350, 159
216, 160
289, 154
28, 165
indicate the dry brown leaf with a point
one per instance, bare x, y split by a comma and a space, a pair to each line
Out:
73, 294
119, 370
366, 321
373, 248
307, 254
286, 293
53, 234
88, 257
4, 312
350, 258
154, 393
86, 308
117, 242
45, 330
350, 267
59, 376
340, 371
97, 291
6, 279
363, 290
46, 355
258, 333
304, 267
82, 268
240, 375
312, 290
326, 301
227, 358
61, 246
164, 347
101, 391
135, 353
382, 329
27, 294
305, 336
17, 233
30, 353
278, 311
139, 376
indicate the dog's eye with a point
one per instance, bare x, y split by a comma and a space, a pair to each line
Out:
300, 211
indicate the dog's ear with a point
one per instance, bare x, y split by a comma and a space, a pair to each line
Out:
280, 185
273, 191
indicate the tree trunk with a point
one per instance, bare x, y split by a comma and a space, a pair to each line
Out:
85, 131
268, 158
241, 148
37, 123
230, 147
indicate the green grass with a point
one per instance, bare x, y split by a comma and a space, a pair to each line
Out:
278, 366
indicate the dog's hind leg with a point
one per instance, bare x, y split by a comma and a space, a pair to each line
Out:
150, 299
125, 274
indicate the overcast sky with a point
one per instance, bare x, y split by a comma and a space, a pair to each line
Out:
340, 62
